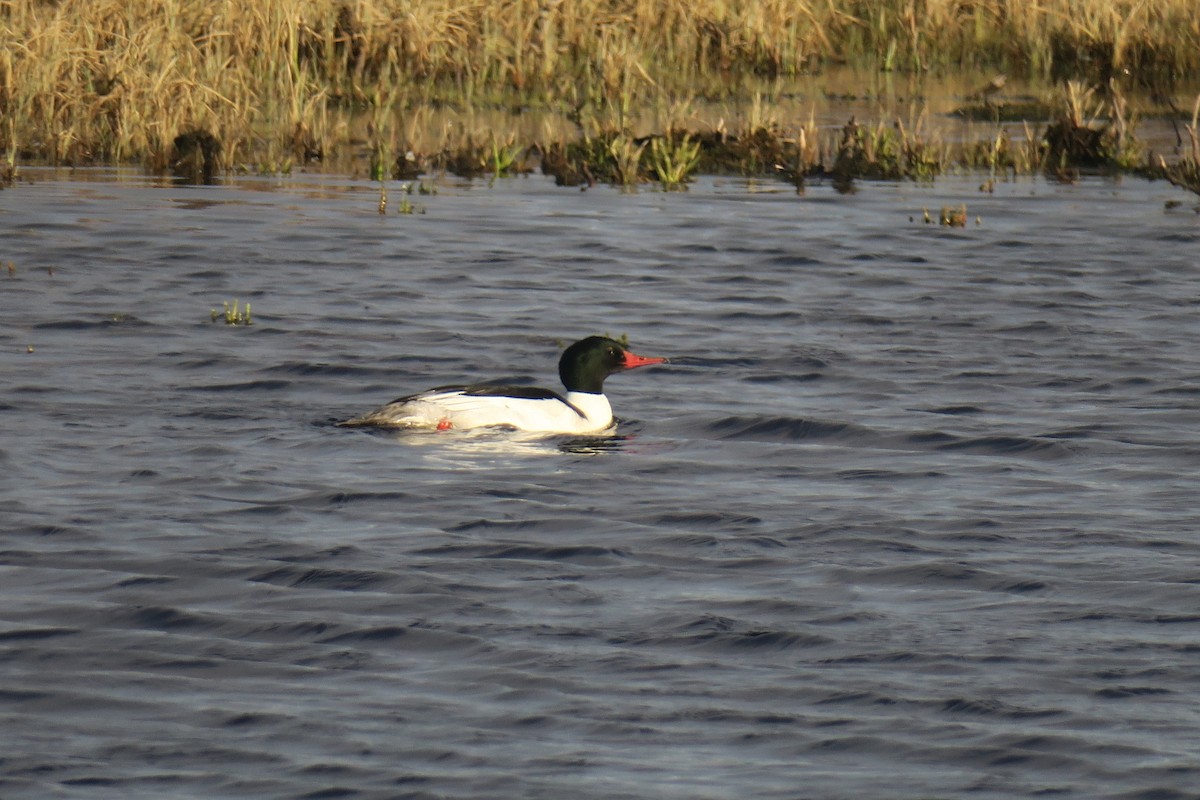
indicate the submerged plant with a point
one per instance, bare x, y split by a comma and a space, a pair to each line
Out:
233, 315
275, 161
405, 206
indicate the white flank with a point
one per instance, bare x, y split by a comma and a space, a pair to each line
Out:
456, 410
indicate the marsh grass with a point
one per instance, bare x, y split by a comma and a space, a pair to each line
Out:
279, 84
1082, 128
1001, 154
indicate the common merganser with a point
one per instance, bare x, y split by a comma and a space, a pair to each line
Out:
582, 368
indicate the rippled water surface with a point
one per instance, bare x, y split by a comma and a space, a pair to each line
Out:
912, 513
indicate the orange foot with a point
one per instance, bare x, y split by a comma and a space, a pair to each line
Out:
445, 425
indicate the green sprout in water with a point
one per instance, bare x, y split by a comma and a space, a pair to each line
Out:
233, 315
504, 157
406, 205
674, 160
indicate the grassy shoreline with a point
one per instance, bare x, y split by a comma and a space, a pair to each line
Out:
387, 88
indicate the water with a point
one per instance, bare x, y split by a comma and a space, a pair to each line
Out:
911, 514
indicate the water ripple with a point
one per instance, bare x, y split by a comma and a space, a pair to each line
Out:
911, 513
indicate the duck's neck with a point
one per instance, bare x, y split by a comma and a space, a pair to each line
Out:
594, 406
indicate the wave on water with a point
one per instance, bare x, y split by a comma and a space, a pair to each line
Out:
306, 369
1007, 445
574, 554
244, 386
947, 574
904, 518
800, 429
954, 411
346, 580
785, 429
111, 321
719, 633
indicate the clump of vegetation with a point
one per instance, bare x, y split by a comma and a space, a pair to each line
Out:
1091, 132
564, 162
1000, 154
1186, 173
626, 153
887, 152
233, 314
612, 156
507, 157
1091, 129
763, 147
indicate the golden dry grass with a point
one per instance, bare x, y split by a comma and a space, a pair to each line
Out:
281, 81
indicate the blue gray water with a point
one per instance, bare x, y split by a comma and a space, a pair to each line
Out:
912, 513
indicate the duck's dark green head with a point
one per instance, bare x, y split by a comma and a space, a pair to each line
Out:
585, 364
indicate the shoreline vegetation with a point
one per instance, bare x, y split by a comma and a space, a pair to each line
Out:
614, 91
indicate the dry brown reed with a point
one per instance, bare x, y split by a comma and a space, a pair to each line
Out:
282, 82
1186, 172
